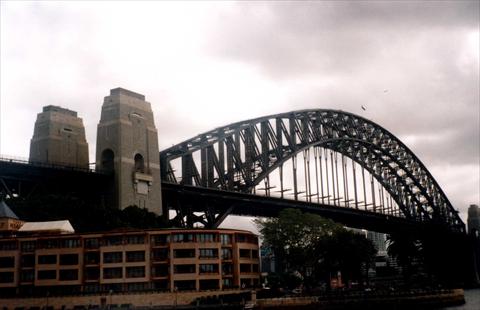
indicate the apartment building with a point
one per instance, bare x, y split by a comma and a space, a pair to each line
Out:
167, 260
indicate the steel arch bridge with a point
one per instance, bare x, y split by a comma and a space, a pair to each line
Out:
346, 161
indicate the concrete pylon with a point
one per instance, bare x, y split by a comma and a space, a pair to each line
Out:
59, 138
127, 144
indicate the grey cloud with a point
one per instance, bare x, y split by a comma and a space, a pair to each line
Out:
400, 59
300, 38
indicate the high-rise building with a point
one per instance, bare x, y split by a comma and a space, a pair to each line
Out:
379, 240
127, 144
473, 220
59, 138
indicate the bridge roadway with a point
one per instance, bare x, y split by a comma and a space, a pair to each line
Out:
29, 180
234, 203
24, 179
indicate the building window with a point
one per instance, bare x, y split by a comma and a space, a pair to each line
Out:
208, 268
185, 285
139, 163
245, 268
135, 239
92, 258
92, 243
160, 254
226, 253
227, 269
47, 275
27, 276
68, 275
135, 256
28, 246
244, 238
209, 285
27, 260
184, 253
137, 287
92, 273
160, 270
112, 257
68, 259
190, 268
112, 273
255, 254
47, 259
8, 245
92, 288
136, 272
70, 243
114, 240
227, 283
208, 253
254, 267
160, 285
6, 277
225, 239
206, 238
160, 239
244, 253
183, 238
7, 262
48, 244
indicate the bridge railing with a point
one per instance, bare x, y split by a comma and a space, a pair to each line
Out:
62, 166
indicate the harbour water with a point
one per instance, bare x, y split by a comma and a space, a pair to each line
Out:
472, 301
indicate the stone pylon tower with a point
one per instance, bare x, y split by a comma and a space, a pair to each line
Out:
59, 138
127, 143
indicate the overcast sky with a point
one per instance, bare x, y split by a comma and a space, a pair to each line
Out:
413, 64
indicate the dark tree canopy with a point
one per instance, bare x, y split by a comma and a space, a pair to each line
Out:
314, 248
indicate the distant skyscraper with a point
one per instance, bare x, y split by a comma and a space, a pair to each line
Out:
59, 138
379, 240
473, 220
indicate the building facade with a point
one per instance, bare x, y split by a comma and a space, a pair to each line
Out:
128, 261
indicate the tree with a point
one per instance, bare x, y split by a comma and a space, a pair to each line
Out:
406, 248
347, 252
314, 247
293, 237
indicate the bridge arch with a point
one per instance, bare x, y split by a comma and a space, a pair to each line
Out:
239, 156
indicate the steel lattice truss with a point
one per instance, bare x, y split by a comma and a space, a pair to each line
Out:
240, 156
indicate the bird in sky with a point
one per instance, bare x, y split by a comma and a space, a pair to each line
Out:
363, 108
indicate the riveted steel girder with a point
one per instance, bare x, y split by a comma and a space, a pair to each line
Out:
239, 156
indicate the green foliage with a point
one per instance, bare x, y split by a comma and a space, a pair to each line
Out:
314, 247
84, 216
348, 252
